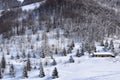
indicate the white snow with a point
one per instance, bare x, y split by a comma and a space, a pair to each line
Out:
84, 68
31, 6
103, 53
21, 0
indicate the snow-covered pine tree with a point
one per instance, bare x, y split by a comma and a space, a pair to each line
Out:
25, 73
106, 44
56, 51
73, 45
38, 37
12, 70
28, 65
54, 62
64, 52
78, 53
55, 73
3, 62
42, 54
111, 45
1, 73
41, 74
29, 56
34, 56
23, 54
17, 56
12, 57
82, 51
102, 43
71, 60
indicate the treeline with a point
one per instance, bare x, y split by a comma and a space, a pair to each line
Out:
80, 19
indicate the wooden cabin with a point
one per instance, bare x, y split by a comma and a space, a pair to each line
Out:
103, 54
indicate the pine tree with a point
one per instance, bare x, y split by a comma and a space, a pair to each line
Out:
8, 52
28, 65
12, 70
25, 73
69, 51
42, 55
1, 73
41, 74
111, 45
56, 51
29, 56
54, 62
17, 56
78, 53
106, 44
38, 37
82, 51
3, 62
23, 55
71, 60
12, 57
73, 45
55, 73
34, 56
64, 52
102, 43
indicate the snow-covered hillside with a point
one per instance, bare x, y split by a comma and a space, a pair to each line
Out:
83, 68
32, 6
21, 0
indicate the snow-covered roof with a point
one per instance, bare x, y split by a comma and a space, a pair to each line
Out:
103, 53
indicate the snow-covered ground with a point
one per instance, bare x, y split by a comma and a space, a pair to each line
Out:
21, 0
84, 68
32, 6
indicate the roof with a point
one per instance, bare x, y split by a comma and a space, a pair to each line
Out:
103, 53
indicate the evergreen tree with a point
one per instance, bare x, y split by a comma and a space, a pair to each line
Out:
55, 73
78, 53
12, 70
12, 57
3, 62
42, 55
17, 56
41, 74
1, 73
28, 65
102, 43
71, 60
69, 51
56, 51
34, 56
23, 55
38, 37
94, 48
73, 45
8, 52
64, 52
25, 73
111, 45
82, 51
106, 44
119, 46
54, 62
29, 56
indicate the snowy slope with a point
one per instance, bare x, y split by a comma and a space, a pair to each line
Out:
32, 6
84, 68
21, 0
